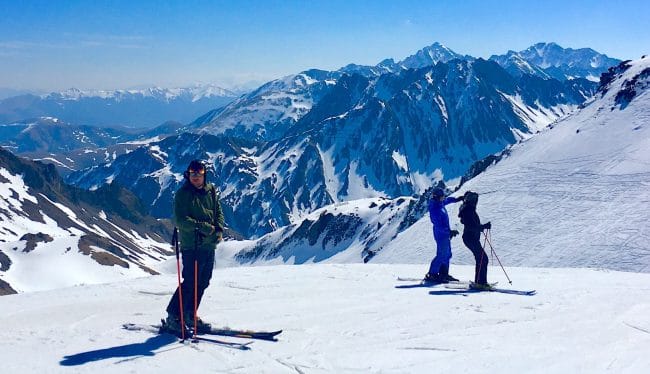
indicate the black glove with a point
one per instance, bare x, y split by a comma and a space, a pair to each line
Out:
453, 233
487, 226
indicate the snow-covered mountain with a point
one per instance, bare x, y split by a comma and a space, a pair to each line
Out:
425, 57
574, 195
54, 235
72, 147
340, 319
324, 149
129, 108
517, 66
52, 135
551, 60
343, 232
269, 111
548, 194
194, 93
431, 55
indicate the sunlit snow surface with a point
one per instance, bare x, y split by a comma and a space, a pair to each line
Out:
342, 319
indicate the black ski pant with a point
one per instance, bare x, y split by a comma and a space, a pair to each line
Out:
205, 263
473, 242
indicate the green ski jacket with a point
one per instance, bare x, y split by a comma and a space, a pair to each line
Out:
199, 217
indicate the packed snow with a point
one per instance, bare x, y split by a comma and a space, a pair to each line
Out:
341, 319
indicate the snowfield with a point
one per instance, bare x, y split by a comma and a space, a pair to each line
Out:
342, 318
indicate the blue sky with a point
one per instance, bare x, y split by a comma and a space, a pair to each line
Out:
53, 45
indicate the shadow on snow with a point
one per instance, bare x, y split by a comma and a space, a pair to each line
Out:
145, 348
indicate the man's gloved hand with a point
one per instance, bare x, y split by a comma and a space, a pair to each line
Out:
219, 235
487, 226
453, 233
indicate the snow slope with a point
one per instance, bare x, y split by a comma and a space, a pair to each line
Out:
341, 319
53, 235
576, 195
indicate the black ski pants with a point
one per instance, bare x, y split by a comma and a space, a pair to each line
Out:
205, 263
473, 242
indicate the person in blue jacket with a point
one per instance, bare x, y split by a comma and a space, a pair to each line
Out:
442, 233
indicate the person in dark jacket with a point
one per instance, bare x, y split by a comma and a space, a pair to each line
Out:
442, 234
200, 222
472, 237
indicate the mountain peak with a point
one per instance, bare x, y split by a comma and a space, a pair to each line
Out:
549, 59
429, 56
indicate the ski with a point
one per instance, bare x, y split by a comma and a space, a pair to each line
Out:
247, 334
407, 279
468, 288
465, 285
227, 331
427, 284
156, 329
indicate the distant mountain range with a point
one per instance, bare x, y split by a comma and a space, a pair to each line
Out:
127, 108
568, 197
74, 147
550, 60
268, 112
305, 141
320, 165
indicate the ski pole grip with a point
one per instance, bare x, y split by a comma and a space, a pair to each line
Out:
175, 241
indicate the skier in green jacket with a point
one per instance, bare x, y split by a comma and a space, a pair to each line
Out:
200, 222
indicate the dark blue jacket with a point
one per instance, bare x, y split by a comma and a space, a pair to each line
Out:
440, 218
470, 220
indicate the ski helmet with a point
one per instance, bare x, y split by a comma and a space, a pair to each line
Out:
471, 197
438, 192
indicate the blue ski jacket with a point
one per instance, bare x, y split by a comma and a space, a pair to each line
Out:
440, 218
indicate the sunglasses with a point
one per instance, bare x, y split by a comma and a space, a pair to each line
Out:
196, 173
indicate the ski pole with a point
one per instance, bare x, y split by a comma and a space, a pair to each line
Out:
196, 248
196, 266
487, 237
180, 289
497, 257
488, 192
491, 250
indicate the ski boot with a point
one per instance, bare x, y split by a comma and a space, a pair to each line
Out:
172, 325
431, 279
449, 278
444, 275
201, 327
481, 286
